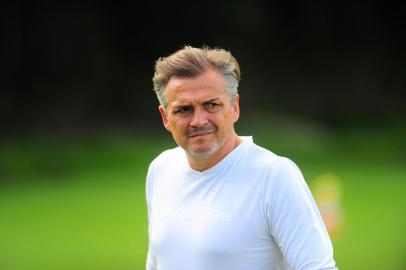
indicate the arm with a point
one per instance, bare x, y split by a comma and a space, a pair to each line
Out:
295, 221
151, 263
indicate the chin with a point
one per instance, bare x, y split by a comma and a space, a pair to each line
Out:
202, 152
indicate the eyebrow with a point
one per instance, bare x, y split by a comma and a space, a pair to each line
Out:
181, 106
211, 100
189, 104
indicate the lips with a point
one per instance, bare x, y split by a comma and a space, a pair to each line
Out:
200, 132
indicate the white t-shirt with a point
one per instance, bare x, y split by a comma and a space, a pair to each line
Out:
251, 211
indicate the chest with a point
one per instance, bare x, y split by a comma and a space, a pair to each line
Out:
218, 218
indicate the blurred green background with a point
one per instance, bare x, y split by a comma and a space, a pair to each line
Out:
323, 83
79, 203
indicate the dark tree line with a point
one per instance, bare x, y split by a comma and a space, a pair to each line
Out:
77, 64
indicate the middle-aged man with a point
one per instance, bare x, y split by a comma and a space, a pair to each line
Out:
219, 201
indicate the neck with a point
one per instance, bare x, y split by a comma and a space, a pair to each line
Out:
203, 163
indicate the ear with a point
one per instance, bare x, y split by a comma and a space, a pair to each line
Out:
236, 108
164, 118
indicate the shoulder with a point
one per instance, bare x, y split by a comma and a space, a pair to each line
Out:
273, 161
262, 158
161, 165
277, 170
253, 153
284, 166
166, 158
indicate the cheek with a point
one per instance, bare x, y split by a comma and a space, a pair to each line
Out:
179, 125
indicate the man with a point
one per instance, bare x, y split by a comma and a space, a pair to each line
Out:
219, 201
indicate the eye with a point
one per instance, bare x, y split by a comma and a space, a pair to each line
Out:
211, 106
183, 110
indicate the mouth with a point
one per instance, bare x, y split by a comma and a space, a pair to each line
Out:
200, 133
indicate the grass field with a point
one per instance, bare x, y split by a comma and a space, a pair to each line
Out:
80, 204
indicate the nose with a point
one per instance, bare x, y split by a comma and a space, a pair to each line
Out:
199, 118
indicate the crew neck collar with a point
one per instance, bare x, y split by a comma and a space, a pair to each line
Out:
245, 140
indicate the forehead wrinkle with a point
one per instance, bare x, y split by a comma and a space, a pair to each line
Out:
195, 90
184, 94
193, 101
204, 80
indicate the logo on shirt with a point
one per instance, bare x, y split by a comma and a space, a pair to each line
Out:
198, 215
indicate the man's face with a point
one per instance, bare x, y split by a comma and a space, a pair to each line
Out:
199, 113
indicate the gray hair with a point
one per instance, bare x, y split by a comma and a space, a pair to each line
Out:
191, 62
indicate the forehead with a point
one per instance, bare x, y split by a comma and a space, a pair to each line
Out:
205, 86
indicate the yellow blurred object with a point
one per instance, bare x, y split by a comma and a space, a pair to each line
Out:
327, 192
